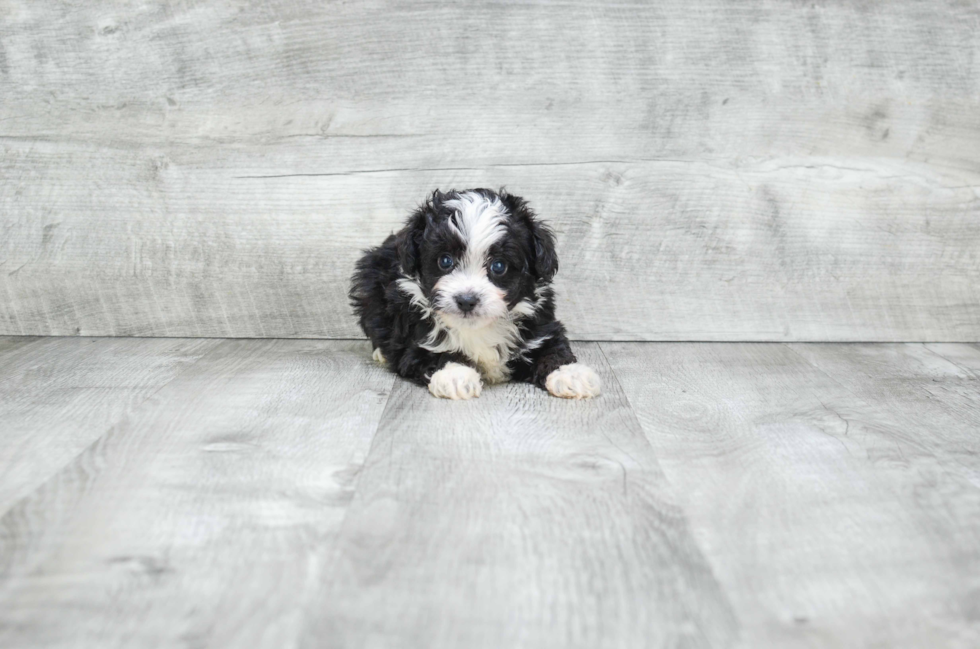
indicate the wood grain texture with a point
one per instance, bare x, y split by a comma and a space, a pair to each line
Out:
198, 520
515, 520
12, 342
716, 170
832, 488
59, 395
933, 388
272, 494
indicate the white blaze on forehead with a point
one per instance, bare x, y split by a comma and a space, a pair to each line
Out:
480, 222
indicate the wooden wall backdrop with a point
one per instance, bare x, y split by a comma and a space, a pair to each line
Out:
752, 170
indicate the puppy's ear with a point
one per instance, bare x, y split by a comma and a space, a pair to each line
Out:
543, 239
409, 239
545, 256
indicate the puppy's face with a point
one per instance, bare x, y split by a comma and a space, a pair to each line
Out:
477, 254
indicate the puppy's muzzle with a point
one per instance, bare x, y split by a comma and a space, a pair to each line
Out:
466, 302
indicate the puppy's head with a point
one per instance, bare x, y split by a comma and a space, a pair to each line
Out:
476, 255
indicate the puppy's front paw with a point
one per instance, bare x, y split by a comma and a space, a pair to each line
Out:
456, 381
574, 381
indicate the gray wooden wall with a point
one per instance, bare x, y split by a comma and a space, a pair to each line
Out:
751, 170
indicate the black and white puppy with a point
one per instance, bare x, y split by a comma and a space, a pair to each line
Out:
463, 293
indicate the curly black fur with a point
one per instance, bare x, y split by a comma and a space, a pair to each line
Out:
401, 329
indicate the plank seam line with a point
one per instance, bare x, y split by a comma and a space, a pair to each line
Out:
333, 554
708, 564
502, 165
632, 413
969, 371
672, 341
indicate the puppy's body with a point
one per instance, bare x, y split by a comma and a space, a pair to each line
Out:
463, 291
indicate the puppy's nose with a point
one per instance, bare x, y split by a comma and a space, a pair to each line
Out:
467, 302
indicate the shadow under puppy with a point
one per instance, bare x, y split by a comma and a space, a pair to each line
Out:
463, 293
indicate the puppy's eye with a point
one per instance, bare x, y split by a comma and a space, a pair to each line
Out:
498, 267
446, 262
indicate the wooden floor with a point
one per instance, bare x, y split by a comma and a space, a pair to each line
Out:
290, 493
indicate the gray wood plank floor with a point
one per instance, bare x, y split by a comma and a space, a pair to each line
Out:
837, 505
291, 493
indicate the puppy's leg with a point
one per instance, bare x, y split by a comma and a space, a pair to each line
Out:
456, 381
556, 369
574, 381
449, 376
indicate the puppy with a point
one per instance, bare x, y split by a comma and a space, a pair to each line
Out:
463, 294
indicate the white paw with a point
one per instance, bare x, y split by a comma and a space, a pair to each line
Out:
574, 381
378, 356
456, 381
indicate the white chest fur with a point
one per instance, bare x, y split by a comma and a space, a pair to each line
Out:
489, 347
